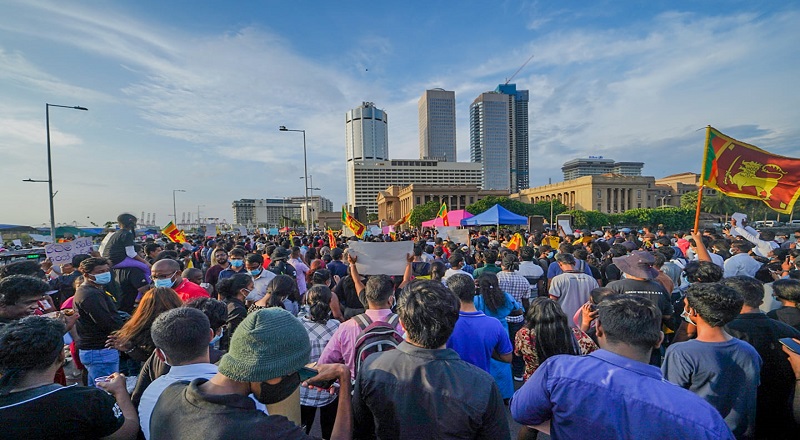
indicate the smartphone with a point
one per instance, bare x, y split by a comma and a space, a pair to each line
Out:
791, 344
307, 373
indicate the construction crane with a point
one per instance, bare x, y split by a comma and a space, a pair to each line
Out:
520, 68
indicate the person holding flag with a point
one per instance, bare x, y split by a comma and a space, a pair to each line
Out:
443, 215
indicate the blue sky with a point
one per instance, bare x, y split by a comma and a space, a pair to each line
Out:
189, 95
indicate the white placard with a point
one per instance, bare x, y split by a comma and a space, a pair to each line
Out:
381, 258
17, 242
62, 253
38, 237
375, 230
211, 230
442, 231
459, 236
565, 226
242, 231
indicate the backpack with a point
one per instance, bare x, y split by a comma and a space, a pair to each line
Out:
375, 337
282, 268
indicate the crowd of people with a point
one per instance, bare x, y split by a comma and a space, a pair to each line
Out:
596, 334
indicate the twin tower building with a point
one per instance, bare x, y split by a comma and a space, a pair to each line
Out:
498, 133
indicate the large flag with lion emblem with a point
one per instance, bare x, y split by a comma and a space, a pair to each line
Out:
737, 169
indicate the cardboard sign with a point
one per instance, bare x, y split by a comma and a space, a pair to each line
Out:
459, 236
381, 258
62, 253
211, 230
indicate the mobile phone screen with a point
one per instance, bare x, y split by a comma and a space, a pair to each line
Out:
790, 344
307, 373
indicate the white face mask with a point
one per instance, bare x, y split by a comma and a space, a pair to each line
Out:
686, 317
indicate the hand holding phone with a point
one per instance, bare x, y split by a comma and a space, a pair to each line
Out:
791, 344
307, 373
791, 347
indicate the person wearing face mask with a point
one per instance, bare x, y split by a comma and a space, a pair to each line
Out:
236, 259
98, 319
233, 291
254, 263
167, 273
266, 353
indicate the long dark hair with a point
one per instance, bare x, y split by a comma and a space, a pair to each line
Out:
548, 324
438, 270
280, 287
318, 298
493, 297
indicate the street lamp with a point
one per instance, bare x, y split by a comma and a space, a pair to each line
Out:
198, 216
305, 169
50, 165
174, 211
311, 188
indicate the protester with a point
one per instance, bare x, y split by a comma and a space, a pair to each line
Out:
716, 366
301, 269
236, 261
514, 284
134, 337
571, 287
254, 263
788, 293
456, 399
33, 407
119, 249
167, 274
612, 392
266, 352
281, 292
233, 291
20, 296
220, 260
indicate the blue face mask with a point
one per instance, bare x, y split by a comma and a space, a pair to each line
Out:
237, 263
256, 272
217, 337
102, 278
166, 282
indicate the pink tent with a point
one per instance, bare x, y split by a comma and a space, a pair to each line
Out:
453, 217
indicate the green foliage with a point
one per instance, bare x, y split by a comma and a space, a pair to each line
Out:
516, 206
422, 213
671, 218
589, 219
372, 218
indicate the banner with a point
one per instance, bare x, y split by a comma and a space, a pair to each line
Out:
381, 258
211, 230
738, 169
62, 253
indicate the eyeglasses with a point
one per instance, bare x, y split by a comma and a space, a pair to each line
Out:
160, 276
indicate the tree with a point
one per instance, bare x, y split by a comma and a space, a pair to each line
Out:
422, 213
372, 218
588, 219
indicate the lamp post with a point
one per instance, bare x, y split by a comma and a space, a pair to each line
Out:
311, 188
198, 216
50, 165
305, 169
174, 211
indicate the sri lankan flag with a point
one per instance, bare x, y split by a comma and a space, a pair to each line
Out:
737, 169
403, 219
173, 233
354, 225
331, 239
515, 242
443, 214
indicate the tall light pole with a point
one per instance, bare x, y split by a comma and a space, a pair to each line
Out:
305, 169
198, 216
174, 211
50, 165
311, 188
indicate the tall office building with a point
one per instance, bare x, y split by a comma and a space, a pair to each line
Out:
366, 139
597, 165
437, 125
499, 137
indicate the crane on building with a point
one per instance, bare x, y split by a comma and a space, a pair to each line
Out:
520, 68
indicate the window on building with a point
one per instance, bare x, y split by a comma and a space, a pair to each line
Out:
638, 205
599, 194
638, 194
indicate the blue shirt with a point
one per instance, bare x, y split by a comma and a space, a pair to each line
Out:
337, 268
476, 336
502, 311
227, 273
607, 396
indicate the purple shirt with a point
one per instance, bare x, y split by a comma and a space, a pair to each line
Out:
341, 348
607, 396
476, 336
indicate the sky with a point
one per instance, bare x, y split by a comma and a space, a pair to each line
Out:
189, 95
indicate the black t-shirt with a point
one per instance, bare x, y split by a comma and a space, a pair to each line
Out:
56, 412
788, 315
649, 289
115, 247
130, 279
98, 317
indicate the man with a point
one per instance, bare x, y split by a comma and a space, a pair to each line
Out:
236, 260
167, 273
194, 275
773, 403
20, 296
212, 274
152, 250
254, 263
519, 288
571, 288
716, 366
764, 242
612, 393
740, 262
266, 352
696, 241
336, 266
379, 293
489, 263
639, 280
477, 338
531, 271
181, 338
454, 400
554, 268
456, 261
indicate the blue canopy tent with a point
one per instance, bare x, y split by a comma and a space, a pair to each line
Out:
496, 215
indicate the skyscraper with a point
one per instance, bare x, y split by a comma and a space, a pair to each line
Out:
366, 138
437, 125
499, 137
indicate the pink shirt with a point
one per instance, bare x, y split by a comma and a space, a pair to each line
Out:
341, 347
301, 270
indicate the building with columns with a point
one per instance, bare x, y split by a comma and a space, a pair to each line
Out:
395, 201
608, 193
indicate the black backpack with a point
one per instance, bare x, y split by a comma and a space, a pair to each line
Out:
375, 337
281, 267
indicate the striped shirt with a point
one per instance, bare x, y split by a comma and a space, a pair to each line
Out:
516, 286
318, 334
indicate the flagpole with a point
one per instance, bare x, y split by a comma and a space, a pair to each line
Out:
697, 212
703, 178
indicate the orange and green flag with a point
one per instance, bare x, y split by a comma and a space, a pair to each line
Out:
515, 242
173, 233
443, 214
331, 239
403, 219
354, 225
737, 169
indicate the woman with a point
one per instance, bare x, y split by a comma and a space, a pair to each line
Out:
322, 277
134, 337
546, 333
300, 270
437, 270
98, 319
495, 303
120, 249
33, 407
320, 330
233, 291
281, 292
